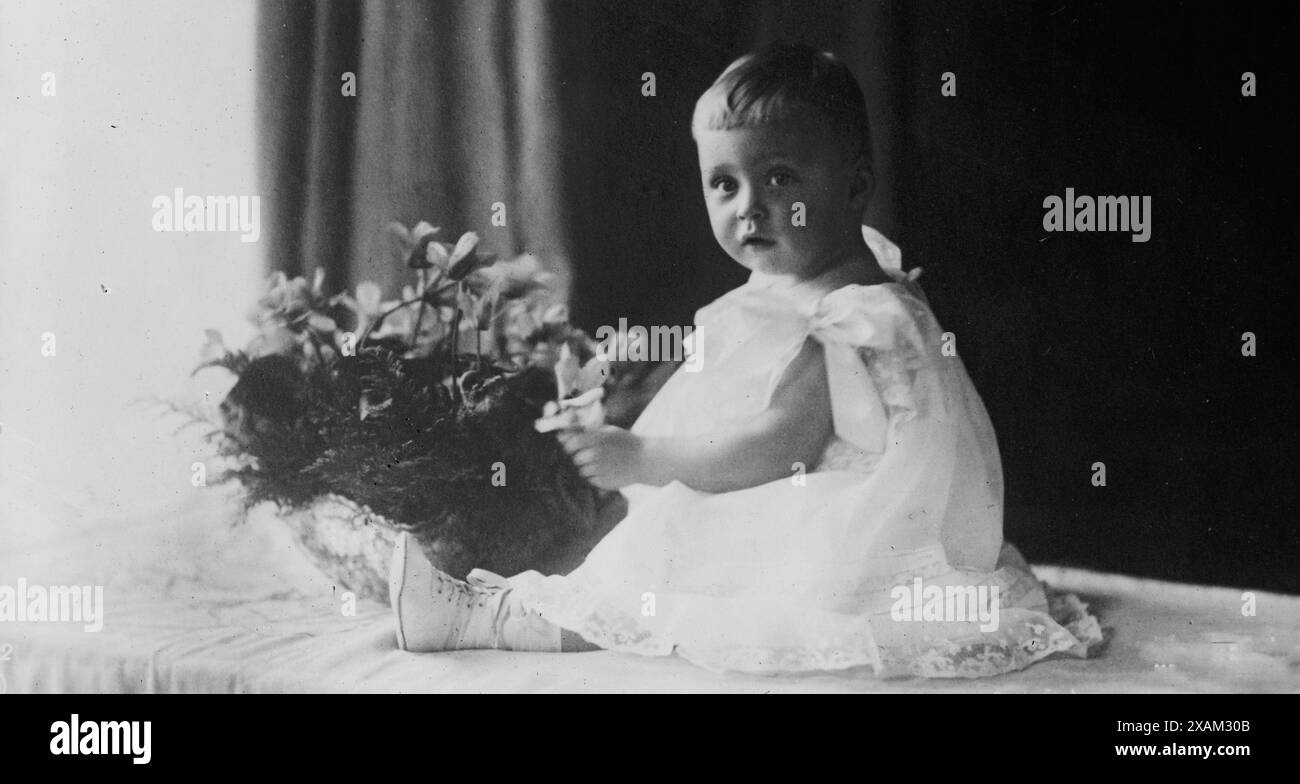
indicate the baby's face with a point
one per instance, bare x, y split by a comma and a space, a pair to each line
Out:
755, 180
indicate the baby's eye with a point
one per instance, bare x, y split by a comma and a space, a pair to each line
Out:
779, 179
724, 184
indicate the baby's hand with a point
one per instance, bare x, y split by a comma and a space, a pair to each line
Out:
609, 457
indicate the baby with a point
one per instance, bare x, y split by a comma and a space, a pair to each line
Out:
786, 184
826, 492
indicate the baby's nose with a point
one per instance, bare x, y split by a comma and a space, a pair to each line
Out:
750, 206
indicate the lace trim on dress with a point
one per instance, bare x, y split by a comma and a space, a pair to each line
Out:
1032, 626
1023, 637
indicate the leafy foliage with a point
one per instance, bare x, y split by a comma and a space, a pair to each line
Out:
401, 417
418, 457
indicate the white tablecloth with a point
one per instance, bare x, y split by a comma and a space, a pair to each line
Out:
194, 603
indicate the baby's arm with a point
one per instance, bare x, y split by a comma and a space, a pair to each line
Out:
793, 429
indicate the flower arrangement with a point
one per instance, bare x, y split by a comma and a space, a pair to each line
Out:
418, 413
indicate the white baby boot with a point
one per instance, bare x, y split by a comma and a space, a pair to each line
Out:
437, 612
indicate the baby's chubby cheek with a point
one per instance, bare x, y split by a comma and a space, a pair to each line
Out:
724, 233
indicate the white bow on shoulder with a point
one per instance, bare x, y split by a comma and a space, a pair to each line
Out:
889, 255
853, 318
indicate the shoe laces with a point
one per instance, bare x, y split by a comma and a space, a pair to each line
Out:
462, 593
482, 590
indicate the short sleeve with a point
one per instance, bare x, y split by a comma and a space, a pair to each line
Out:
874, 346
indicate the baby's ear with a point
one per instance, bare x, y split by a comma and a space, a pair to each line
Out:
863, 183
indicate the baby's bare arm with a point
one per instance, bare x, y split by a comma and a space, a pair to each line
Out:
793, 429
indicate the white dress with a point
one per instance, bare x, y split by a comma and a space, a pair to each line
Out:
856, 563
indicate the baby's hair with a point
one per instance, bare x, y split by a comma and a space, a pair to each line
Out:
783, 82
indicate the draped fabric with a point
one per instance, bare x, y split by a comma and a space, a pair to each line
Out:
469, 109
450, 117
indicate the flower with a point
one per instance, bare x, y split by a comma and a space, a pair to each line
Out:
419, 250
273, 339
464, 259
567, 368
366, 306
290, 319
513, 278
586, 412
580, 390
214, 349
412, 243
289, 299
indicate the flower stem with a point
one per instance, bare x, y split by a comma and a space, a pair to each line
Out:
455, 344
415, 333
371, 326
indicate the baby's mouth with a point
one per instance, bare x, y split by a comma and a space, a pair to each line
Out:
757, 243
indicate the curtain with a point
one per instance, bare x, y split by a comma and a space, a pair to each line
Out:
534, 107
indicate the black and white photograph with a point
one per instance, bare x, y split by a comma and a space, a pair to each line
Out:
649, 346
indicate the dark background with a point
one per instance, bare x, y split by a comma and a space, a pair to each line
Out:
1085, 347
